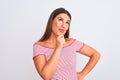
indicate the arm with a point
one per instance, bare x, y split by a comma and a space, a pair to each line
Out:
94, 57
47, 68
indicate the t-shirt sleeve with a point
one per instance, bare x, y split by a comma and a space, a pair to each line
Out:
79, 45
37, 50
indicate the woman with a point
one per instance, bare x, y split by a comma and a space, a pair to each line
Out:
55, 53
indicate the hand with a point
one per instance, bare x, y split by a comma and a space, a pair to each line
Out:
60, 41
80, 76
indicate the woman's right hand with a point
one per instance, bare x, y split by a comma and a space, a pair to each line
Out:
60, 41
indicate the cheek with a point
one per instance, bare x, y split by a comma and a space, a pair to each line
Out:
54, 27
58, 23
67, 27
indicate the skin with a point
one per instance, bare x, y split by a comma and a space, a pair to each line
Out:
59, 27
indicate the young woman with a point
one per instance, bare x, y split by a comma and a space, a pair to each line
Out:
54, 54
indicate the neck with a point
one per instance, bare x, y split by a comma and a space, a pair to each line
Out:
52, 39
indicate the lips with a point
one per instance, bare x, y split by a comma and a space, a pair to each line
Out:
62, 30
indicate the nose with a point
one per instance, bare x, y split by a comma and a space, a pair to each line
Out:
64, 25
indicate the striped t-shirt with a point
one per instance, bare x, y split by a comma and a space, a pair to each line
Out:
66, 68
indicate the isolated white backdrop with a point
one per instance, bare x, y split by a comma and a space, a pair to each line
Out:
22, 22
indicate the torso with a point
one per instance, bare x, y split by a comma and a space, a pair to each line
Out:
66, 68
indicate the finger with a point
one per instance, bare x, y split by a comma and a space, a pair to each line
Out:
61, 36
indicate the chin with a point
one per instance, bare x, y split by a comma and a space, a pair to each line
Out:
59, 33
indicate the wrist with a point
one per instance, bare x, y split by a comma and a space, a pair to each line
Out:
82, 74
59, 46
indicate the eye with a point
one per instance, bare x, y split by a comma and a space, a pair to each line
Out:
60, 19
68, 23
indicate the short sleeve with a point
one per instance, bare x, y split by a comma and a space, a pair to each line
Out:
79, 45
37, 50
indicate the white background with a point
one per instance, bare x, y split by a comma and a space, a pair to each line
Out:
22, 22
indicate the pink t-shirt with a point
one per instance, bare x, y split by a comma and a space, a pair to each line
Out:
66, 69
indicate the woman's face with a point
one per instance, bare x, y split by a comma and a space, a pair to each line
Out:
60, 24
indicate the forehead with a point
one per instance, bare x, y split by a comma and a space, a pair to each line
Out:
63, 15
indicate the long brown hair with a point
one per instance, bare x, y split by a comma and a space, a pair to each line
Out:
48, 30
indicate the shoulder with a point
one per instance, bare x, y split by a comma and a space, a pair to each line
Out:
75, 41
42, 43
70, 39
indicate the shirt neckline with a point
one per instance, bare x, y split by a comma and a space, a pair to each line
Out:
54, 48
